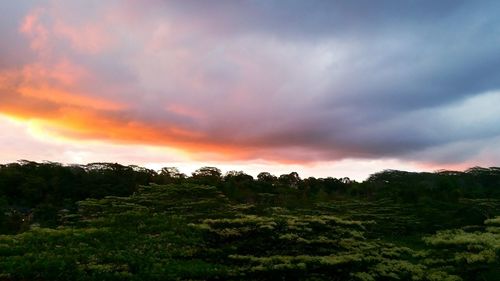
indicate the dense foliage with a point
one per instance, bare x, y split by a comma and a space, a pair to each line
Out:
111, 222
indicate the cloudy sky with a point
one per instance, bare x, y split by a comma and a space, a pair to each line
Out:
324, 88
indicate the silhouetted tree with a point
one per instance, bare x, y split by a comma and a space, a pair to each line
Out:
292, 180
207, 175
170, 175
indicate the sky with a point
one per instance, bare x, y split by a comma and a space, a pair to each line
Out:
323, 88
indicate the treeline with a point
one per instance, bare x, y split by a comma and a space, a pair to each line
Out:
41, 192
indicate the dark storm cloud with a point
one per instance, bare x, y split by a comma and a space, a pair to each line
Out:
310, 19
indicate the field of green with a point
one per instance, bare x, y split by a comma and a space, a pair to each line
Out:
394, 226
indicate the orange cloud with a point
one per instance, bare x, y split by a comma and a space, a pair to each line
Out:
83, 124
50, 91
27, 96
57, 96
50, 94
54, 101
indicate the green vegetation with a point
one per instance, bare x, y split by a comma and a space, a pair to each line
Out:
112, 222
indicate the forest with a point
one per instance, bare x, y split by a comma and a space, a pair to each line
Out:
106, 221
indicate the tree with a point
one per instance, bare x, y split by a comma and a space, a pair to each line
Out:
291, 180
207, 175
238, 176
170, 175
266, 177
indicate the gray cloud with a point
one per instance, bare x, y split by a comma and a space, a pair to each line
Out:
301, 80
14, 50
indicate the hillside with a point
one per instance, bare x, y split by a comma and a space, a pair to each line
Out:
137, 224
